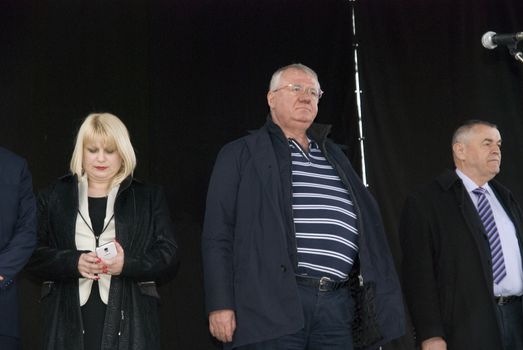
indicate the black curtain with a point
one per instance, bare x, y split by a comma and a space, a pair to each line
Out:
424, 72
186, 77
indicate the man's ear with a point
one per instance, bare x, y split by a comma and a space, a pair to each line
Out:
459, 150
270, 99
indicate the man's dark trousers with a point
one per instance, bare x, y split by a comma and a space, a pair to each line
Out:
328, 319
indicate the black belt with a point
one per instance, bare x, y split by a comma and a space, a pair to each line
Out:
502, 300
323, 284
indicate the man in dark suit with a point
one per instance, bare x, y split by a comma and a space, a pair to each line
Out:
288, 222
17, 240
461, 237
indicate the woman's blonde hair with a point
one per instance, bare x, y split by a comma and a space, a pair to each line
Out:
113, 133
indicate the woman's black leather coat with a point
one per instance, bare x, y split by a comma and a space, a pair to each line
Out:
145, 231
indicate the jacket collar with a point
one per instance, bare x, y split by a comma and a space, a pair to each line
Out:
317, 132
448, 179
126, 183
123, 185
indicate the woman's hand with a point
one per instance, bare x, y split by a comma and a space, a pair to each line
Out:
89, 266
114, 266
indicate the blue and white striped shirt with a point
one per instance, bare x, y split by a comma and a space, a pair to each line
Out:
324, 215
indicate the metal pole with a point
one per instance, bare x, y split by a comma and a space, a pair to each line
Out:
358, 93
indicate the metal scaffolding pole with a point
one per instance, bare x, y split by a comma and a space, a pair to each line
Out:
358, 92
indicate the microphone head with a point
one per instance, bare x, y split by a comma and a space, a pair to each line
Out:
487, 42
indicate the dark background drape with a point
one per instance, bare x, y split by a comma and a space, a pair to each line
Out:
188, 76
424, 72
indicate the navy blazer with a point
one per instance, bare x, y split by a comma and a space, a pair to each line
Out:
248, 243
17, 233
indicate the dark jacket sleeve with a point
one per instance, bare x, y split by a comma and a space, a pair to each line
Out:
419, 269
49, 262
158, 258
15, 254
219, 227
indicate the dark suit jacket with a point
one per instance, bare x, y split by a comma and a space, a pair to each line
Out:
17, 233
447, 271
248, 243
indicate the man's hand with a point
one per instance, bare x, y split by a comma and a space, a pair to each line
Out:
1, 278
435, 343
222, 324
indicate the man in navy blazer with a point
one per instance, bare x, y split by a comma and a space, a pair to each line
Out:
17, 240
290, 231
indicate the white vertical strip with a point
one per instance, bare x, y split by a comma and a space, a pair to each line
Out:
358, 93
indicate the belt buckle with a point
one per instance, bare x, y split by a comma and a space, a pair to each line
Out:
323, 284
504, 299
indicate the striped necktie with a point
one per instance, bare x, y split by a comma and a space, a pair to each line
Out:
487, 218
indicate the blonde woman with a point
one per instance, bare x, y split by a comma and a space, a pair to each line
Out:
103, 298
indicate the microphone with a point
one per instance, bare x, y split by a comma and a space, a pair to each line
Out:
491, 40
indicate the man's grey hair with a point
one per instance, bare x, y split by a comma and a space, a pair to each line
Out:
275, 80
466, 127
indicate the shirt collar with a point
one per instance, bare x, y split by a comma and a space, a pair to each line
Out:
312, 143
469, 184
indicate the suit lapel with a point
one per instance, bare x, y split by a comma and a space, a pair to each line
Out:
512, 210
125, 212
66, 216
83, 205
476, 229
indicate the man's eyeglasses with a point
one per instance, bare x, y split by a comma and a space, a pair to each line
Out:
297, 89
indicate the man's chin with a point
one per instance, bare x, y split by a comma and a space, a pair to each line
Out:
306, 119
306, 123
495, 171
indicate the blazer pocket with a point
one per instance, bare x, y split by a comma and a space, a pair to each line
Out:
149, 288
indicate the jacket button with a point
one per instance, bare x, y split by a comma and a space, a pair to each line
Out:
283, 268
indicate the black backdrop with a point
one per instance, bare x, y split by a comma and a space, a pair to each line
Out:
424, 72
186, 76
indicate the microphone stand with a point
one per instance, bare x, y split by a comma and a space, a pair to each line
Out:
513, 50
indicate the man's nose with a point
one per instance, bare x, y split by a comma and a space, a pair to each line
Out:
304, 96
